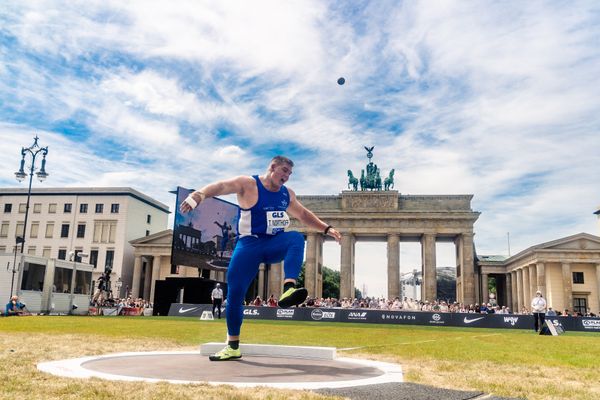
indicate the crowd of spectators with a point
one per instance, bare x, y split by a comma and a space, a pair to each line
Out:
410, 304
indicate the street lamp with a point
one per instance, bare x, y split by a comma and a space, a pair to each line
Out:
33, 150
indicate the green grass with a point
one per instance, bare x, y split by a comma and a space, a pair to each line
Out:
512, 363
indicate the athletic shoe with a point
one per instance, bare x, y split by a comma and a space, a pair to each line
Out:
293, 297
226, 354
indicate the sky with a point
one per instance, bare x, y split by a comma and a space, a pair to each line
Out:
495, 99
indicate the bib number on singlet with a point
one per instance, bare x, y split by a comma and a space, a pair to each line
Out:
277, 221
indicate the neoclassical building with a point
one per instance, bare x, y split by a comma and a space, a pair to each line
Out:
566, 271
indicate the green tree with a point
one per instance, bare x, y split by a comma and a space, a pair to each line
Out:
331, 283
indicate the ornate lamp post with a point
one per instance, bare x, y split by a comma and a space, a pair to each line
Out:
32, 150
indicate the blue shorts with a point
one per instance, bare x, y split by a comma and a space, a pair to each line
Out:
249, 253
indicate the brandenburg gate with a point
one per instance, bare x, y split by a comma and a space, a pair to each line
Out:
392, 217
372, 211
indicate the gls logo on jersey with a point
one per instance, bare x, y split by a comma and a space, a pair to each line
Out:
277, 221
251, 312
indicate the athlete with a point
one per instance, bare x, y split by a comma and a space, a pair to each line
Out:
265, 203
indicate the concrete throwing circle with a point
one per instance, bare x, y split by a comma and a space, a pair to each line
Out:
249, 371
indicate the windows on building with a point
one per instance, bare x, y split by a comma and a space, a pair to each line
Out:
99, 208
33, 276
147, 232
578, 277
83, 208
35, 228
19, 232
37, 208
31, 250
94, 258
4, 229
105, 231
52, 208
64, 231
22, 208
46, 252
7, 208
81, 230
62, 254
580, 305
148, 219
49, 229
68, 208
110, 255
62, 280
114, 208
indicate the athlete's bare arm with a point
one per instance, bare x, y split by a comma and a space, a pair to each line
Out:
308, 218
243, 186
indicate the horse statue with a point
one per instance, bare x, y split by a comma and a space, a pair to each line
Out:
388, 182
363, 180
352, 181
377, 180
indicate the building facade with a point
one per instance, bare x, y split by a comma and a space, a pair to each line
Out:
97, 221
566, 271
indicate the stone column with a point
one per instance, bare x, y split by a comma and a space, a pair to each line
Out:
137, 276
485, 295
147, 280
468, 269
598, 288
261, 282
513, 278
533, 280
541, 279
155, 276
519, 290
429, 285
310, 266
393, 269
508, 288
275, 279
525, 288
319, 284
458, 249
567, 286
347, 266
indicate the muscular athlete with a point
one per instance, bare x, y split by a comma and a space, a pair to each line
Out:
265, 203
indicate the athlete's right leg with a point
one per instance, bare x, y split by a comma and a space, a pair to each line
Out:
243, 268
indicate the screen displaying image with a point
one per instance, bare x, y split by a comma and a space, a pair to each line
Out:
206, 236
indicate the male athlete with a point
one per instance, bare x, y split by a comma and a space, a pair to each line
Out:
265, 203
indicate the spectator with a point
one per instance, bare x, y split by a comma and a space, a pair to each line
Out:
15, 307
551, 312
271, 302
538, 307
217, 299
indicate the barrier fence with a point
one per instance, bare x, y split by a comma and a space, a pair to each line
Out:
362, 315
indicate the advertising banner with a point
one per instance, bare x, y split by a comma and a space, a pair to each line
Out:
204, 237
363, 315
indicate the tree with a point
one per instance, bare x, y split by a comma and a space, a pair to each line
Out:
331, 283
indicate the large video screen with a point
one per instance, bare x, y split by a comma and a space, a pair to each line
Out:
206, 236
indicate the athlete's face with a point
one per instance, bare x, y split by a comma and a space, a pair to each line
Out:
280, 173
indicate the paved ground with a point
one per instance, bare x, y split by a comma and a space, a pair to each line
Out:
405, 391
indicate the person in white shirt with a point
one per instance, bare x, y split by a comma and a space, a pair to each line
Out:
217, 299
538, 308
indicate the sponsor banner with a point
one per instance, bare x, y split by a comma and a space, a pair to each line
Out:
363, 315
188, 310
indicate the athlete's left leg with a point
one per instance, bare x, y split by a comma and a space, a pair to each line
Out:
289, 247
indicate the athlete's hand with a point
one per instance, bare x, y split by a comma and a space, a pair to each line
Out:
334, 234
186, 207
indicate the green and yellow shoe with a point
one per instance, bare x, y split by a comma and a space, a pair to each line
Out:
226, 354
293, 297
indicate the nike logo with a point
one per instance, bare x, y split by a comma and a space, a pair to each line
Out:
468, 321
184, 310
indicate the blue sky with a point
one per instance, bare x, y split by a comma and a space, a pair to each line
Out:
495, 99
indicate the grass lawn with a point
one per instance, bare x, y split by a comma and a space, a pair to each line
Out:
511, 363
